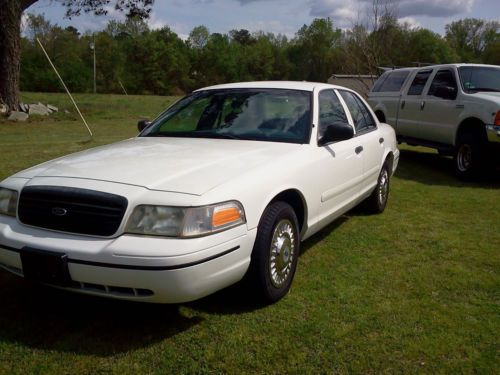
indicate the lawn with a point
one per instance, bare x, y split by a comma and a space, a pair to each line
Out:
414, 290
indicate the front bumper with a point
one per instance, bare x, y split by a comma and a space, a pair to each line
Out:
493, 132
141, 268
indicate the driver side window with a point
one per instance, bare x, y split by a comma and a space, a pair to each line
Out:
330, 111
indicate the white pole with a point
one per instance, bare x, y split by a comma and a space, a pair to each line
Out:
64, 85
95, 85
123, 88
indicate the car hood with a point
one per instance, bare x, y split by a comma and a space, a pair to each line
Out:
184, 165
488, 95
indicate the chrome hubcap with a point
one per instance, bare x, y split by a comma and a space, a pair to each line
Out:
282, 253
383, 186
464, 158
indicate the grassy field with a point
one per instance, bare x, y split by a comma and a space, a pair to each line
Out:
414, 290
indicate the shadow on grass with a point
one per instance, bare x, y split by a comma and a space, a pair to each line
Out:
49, 319
239, 298
433, 169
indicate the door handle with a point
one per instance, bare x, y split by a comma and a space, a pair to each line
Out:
403, 104
358, 149
381, 140
422, 105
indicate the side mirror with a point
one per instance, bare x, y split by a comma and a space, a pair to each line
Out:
143, 124
446, 92
339, 131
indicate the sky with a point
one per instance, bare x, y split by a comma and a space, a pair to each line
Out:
278, 16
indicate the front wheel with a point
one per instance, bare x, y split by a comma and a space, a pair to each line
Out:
468, 156
275, 253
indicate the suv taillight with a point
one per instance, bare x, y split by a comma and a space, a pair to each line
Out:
497, 119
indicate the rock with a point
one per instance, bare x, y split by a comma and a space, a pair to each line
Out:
4, 108
23, 107
52, 108
38, 109
18, 116
67, 112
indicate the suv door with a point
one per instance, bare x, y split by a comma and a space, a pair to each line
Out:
439, 115
368, 137
340, 166
410, 106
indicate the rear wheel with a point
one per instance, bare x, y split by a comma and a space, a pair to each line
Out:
275, 253
377, 201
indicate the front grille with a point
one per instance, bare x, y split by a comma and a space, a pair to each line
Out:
71, 210
112, 290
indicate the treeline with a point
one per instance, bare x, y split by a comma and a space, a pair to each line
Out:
146, 61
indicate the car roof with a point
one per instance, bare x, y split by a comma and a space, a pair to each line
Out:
289, 85
442, 66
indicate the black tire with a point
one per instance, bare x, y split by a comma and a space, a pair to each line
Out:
278, 217
377, 201
442, 152
468, 156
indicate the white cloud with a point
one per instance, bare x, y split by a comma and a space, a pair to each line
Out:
345, 12
410, 21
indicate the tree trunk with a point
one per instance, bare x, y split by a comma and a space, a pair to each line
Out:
10, 50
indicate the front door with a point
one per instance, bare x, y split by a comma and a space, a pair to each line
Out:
341, 170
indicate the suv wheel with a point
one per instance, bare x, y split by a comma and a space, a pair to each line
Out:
468, 156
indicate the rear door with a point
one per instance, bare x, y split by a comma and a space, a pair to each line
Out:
410, 107
367, 136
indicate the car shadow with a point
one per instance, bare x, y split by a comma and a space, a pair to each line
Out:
239, 298
428, 167
44, 318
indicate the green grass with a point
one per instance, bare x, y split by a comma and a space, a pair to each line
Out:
414, 290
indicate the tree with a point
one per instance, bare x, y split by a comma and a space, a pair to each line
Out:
315, 49
198, 37
10, 34
470, 37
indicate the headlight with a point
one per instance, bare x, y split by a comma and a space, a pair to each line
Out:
185, 221
8, 202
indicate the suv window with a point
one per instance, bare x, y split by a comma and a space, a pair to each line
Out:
330, 111
418, 84
443, 78
361, 116
391, 81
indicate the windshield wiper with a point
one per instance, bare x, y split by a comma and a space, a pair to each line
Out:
195, 134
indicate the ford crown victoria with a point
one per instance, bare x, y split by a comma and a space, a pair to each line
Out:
224, 184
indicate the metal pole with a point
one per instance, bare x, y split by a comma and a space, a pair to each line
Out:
66, 88
95, 85
123, 88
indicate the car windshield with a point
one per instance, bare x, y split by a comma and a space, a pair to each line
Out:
274, 115
478, 78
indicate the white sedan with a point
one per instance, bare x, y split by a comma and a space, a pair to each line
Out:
224, 184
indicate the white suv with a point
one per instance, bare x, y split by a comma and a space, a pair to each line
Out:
454, 108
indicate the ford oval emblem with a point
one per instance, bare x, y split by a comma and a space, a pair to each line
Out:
59, 211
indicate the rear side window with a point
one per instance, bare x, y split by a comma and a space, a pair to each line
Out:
362, 118
391, 81
418, 84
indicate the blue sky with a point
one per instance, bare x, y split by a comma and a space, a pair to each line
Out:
279, 16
